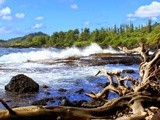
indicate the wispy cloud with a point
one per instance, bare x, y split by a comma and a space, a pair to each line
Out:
38, 26
147, 11
2, 1
19, 15
131, 19
86, 23
7, 17
74, 6
39, 18
4, 30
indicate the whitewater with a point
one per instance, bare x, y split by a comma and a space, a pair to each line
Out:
34, 54
15, 61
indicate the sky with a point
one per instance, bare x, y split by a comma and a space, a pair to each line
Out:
21, 17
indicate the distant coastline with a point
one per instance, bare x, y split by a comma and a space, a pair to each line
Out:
124, 35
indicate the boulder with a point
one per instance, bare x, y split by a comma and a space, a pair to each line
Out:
22, 84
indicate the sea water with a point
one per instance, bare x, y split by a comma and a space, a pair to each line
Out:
26, 61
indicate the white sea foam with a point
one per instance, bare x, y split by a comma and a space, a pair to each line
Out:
45, 54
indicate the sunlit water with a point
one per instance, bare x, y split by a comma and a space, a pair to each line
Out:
14, 61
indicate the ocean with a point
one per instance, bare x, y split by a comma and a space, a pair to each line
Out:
41, 64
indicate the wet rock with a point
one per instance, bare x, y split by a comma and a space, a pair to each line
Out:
73, 58
101, 54
80, 91
47, 92
128, 71
62, 90
101, 85
22, 84
8, 101
52, 100
77, 82
45, 86
65, 102
40, 102
79, 103
98, 59
104, 59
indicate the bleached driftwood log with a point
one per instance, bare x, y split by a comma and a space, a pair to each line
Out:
141, 98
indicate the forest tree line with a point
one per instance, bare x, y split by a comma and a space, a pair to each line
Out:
123, 35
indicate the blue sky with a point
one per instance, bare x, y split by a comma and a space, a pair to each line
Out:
21, 17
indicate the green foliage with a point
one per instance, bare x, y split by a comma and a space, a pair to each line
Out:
124, 35
82, 43
85, 35
154, 36
149, 26
38, 39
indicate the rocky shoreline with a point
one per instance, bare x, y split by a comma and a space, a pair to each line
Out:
92, 60
98, 59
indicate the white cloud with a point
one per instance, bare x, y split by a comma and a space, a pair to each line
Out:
86, 23
39, 18
147, 11
7, 17
131, 19
74, 6
5, 11
3, 30
130, 15
37, 26
20, 15
154, 18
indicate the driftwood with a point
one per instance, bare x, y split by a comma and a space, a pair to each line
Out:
141, 98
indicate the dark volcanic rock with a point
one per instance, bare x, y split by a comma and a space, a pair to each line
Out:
128, 71
62, 90
80, 91
103, 59
45, 86
98, 59
67, 102
22, 84
40, 102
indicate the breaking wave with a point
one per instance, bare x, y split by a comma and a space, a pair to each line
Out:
46, 53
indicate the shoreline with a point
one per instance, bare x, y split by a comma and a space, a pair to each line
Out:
92, 60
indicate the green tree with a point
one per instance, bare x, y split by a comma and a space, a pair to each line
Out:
85, 35
95, 35
71, 36
115, 29
122, 29
155, 36
39, 40
149, 26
